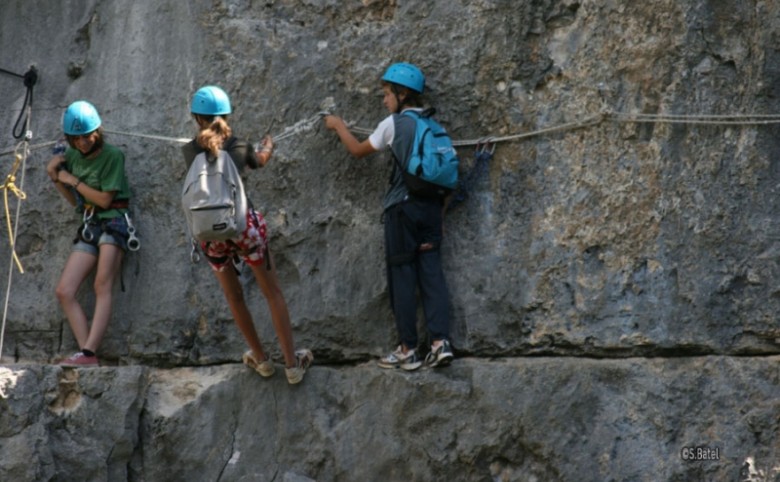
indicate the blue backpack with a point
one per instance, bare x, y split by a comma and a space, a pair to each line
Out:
432, 170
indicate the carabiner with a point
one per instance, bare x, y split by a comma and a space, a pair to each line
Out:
133, 243
194, 255
484, 144
86, 217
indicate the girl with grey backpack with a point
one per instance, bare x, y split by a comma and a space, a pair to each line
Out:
246, 238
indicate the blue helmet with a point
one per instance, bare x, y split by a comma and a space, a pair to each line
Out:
80, 118
210, 100
407, 75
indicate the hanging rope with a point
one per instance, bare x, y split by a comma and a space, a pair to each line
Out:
20, 155
10, 185
482, 156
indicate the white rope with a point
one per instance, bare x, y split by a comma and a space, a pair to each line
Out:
25, 152
181, 140
12, 150
701, 116
306, 125
723, 120
706, 119
563, 127
301, 126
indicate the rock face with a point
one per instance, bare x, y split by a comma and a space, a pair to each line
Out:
613, 282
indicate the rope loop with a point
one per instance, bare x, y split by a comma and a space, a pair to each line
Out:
10, 186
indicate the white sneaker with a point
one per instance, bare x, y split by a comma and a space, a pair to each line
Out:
398, 359
441, 357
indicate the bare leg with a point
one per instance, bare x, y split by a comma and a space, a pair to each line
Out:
234, 295
280, 316
77, 267
108, 266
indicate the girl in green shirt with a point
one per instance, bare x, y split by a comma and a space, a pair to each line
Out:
90, 175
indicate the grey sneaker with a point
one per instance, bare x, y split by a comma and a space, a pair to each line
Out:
398, 359
441, 357
303, 360
265, 368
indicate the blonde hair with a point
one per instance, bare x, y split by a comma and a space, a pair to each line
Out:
212, 137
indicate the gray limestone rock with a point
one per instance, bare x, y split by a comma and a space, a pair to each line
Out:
614, 282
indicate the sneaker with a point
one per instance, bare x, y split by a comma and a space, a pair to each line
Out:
441, 357
398, 359
79, 360
303, 360
265, 368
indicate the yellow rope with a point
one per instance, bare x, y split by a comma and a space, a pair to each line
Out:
10, 185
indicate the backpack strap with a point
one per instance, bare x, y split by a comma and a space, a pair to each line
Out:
397, 162
429, 112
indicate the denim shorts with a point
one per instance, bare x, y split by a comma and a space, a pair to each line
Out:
108, 231
105, 238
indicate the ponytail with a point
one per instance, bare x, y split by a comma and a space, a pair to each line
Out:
214, 136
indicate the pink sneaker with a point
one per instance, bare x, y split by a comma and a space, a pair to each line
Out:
79, 360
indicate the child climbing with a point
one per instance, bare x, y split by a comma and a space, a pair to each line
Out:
210, 109
90, 175
412, 224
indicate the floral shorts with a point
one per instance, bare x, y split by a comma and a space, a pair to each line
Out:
251, 246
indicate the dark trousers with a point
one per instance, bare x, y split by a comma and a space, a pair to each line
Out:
407, 226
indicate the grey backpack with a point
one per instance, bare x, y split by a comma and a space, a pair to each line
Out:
213, 198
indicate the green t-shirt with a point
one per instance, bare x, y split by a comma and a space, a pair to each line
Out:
106, 172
